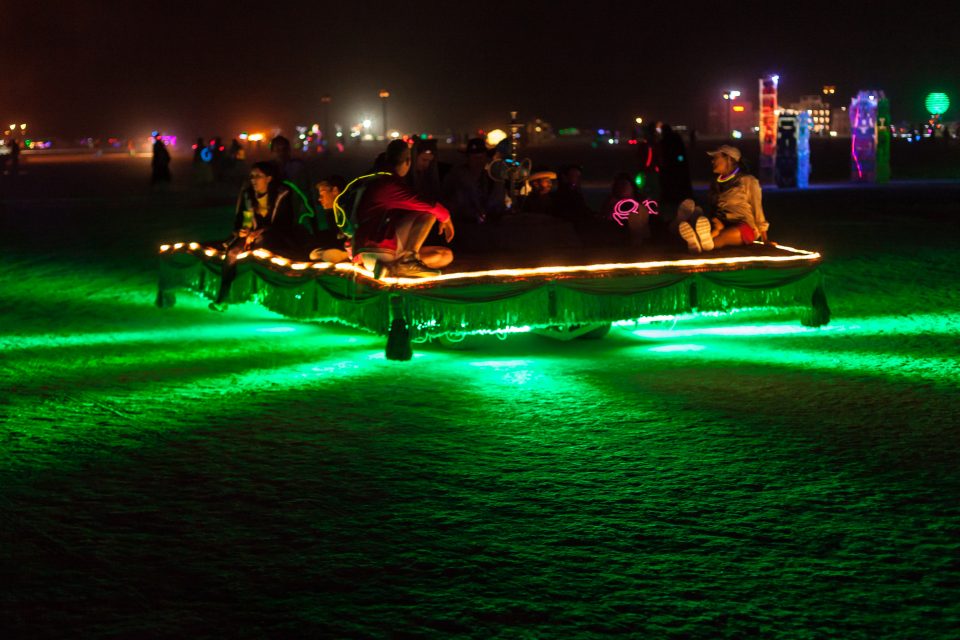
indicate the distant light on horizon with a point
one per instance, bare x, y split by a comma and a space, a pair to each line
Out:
937, 103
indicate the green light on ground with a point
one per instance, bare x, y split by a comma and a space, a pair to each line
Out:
500, 364
677, 348
741, 330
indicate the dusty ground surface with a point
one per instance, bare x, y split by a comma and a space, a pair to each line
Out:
179, 473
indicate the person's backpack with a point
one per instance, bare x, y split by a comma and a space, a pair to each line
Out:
347, 203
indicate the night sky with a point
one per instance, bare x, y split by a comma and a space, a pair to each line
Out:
122, 68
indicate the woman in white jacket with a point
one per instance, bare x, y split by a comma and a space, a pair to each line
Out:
735, 208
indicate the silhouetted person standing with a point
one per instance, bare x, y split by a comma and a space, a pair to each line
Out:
14, 157
160, 164
675, 183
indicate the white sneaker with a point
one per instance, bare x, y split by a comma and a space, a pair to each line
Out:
703, 233
688, 234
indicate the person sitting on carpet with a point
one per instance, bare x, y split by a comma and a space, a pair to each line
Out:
735, 208
325, 232
393, 223
264, 220
541, 198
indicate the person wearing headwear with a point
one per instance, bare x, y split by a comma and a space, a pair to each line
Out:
159, 163
735, 214
541, 197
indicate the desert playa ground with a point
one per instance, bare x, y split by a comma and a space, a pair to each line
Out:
180, 473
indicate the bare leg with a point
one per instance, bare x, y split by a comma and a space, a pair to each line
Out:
436, 257
334, 255
728, 237
412, 232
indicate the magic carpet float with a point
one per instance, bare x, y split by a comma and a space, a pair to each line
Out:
580, 293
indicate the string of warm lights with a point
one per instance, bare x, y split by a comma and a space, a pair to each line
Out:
798, 256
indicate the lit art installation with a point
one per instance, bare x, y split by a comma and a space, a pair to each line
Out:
768, 126
937, 103
785, 174
863, 133
804, 125
883, 139
569, 299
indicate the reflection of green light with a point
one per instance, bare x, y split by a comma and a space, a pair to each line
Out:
674, 348
209, 333
639, 180
740, 330
937, 103
500, 364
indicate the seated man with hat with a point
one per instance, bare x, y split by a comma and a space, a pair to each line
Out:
541, 197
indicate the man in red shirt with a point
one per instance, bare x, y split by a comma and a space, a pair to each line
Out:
393, 222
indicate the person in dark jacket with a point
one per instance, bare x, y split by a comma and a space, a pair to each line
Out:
160, 163
264, 220
329, 246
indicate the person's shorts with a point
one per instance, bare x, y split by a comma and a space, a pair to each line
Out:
746, 233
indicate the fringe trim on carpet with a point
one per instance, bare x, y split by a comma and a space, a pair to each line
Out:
559, 303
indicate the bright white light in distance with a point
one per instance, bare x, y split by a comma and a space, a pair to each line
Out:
495, 137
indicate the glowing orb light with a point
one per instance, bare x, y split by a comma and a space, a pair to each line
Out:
937, 103
639, 180
495, 137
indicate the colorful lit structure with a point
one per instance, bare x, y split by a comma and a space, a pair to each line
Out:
883, 138
574, 298
785, 174
863, 137
937, 103
804, 128
768, 126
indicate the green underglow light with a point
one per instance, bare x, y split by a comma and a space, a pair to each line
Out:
741, 330
937, 103
209, 333
674, 348
500, 364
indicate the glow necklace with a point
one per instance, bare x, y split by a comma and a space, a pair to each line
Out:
732, 175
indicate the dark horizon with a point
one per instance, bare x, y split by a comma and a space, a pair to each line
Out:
194, 69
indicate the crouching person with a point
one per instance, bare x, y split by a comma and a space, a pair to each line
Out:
392, 222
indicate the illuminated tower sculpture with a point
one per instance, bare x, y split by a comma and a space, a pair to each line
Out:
785, 173
863, 134
883, 138
804, 124
768, 126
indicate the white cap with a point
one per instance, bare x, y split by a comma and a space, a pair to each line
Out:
727, 150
